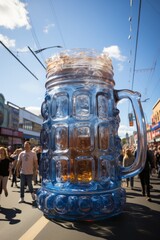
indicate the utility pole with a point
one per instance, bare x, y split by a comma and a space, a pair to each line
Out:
36, 57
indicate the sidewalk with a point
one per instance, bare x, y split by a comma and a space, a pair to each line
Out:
155, 191
139, 220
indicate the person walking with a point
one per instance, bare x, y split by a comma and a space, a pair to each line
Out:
14, 165
4, 170
128, 159
27, 162
157, 158
145, 174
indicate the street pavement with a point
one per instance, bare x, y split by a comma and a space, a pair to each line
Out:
139, 220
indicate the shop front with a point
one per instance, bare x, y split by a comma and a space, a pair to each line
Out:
156, 134
34, 140
11, 137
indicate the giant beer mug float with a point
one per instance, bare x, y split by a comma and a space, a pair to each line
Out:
79, 163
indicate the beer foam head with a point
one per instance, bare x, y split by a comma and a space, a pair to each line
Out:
80, 62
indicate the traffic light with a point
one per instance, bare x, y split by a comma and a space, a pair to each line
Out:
130, 116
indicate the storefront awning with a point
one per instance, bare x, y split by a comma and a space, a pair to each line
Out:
155, 127
157, 139
11, 132
28, 136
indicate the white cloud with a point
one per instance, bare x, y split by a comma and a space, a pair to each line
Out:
23, 50
13, 14
115, 53
35, 110
46, 28
8, 42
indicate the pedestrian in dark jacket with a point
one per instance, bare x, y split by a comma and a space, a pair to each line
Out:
157, 156
4, 170
145, 174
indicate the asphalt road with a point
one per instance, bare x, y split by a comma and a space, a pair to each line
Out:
140, 219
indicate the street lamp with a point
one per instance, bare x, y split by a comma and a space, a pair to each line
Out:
145, 100
36, 58
42, 49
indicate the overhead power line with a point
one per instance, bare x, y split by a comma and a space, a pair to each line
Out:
58, 25
33, 32
18, 60
137, 35
36, 39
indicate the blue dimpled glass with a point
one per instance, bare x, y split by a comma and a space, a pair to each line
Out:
81, 147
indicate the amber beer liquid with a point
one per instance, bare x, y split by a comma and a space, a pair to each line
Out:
82, 169
81, 147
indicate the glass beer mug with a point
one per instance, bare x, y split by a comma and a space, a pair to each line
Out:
79, 163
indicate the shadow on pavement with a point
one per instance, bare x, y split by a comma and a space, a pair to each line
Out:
136, 222
10, 214
32, 203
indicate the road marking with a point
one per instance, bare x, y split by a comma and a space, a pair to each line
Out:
35, 229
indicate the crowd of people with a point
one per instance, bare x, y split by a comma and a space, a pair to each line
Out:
22, 164
152, 166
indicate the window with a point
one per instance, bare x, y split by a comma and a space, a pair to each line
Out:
29, 125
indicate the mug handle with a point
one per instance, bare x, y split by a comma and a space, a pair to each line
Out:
139, 162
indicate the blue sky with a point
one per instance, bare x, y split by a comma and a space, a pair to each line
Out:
105, 25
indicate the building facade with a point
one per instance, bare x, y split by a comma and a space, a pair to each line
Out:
18, 125
153, 129
9, 122
30, 124
156, 122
